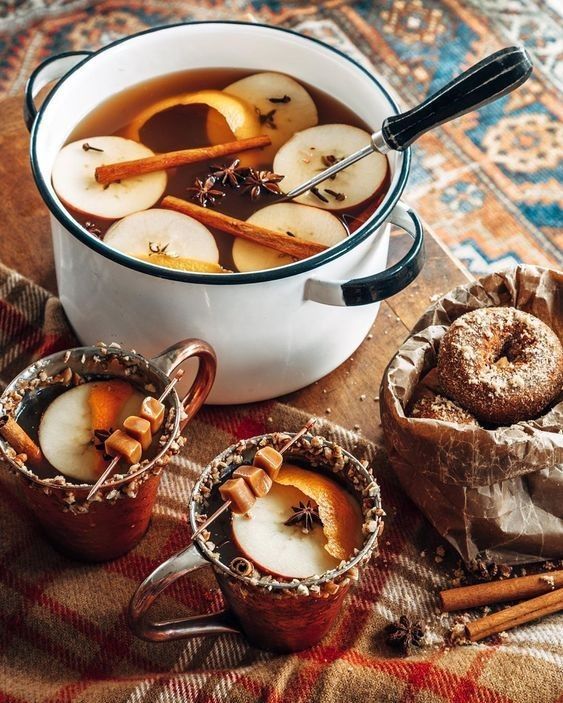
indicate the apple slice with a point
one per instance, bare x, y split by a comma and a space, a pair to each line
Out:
66, 431
283, 105
158, 231
308, 223
239, 116
281, 550
314, 150
75, 183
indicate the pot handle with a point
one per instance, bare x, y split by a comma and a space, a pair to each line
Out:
183, 562
51, 69
175, 355
371, 289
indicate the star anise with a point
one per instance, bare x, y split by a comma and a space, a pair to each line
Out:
255, 181
229, 173
402, 635
305, 515
100, 437
204, 192
93, 228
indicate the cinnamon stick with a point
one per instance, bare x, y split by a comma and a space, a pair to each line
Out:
516, 615
19, 440
500, 591
293, 246
109, 173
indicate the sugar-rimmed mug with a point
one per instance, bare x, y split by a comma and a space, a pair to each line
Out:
283, 616
117, 518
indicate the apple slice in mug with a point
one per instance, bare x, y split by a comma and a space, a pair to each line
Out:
74, 179
308, 223
167, 235
315, 149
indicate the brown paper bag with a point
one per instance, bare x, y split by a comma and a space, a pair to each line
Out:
494, 494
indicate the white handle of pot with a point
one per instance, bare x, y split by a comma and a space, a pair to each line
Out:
379, 286
51, 69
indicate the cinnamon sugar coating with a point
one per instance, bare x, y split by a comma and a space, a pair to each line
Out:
501, 364
436, 407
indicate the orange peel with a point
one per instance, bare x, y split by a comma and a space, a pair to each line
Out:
240, 117
184, 264
339, 512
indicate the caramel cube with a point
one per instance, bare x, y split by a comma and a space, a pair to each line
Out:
119, 443
139, 429
153, 411
270, 460
241, 496
257, 479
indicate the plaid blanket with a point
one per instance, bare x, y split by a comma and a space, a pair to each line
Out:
63, 635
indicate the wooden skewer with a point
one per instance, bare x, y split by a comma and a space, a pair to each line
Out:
109, 173
292, 246
113, 463
306, 427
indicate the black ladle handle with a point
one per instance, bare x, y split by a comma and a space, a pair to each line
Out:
484, 82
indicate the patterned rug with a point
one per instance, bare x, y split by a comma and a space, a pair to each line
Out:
489, 184
63, 635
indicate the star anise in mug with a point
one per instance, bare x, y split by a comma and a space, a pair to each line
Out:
305, 515
204, 192
402, 635
100, 437
229, 174
256, 181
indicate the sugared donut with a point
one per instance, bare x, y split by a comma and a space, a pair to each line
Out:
501, 364
432, 406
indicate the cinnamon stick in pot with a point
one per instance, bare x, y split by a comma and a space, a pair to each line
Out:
109, 173
293, 246
19, 440
467, 597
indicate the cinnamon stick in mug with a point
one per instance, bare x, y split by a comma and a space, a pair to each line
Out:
516, 615
293, 246
467, 597
109, 173
19, 440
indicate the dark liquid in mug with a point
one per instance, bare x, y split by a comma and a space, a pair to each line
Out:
183, 127
36, 403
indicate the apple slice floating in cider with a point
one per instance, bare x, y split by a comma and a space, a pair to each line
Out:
163, 233
75, 183
279, 549
308, 223
317, 148
66, 430
282, 104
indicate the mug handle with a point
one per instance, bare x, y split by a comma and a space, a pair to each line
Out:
183, 562
371, 289
175, 355
51, 69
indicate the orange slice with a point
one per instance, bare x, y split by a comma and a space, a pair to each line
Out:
184, 264
106, 402
339, 512
240, 116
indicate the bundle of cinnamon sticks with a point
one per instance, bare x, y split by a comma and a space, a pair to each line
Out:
540, 595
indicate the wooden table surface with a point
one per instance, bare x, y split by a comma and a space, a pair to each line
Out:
26, 246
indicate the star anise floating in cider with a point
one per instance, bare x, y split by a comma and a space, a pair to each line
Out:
204, 192
305, 515
257, 181
229, 174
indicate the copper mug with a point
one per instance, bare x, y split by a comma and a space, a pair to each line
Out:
275, 615
117, 518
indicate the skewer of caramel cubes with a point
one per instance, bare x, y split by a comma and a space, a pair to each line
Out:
251, 482
136, 435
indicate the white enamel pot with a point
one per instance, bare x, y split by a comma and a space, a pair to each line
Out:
273, 331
